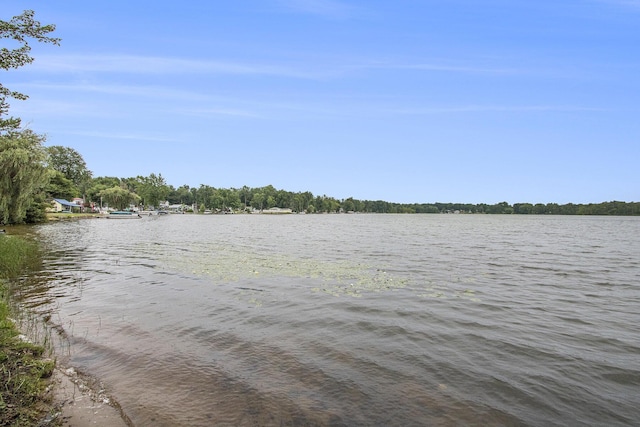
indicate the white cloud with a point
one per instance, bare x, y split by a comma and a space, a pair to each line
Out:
87, 104
132, 64
320, 68
36, 107
111, 89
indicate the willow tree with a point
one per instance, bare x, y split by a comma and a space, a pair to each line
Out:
23, 174
22, 158
118, 197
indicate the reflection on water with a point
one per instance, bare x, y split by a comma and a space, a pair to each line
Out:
351, 319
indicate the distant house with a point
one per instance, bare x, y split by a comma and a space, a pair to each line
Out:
62, 205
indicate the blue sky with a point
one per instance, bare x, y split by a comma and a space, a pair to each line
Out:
407, 101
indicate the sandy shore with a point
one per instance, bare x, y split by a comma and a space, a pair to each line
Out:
84, 403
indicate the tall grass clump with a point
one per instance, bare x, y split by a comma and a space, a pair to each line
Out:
23, 365
16, 256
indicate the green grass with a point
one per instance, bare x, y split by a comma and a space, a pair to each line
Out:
60, 216
24, 367
16, 256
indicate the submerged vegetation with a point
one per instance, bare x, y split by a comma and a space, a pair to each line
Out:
241, 264
24, 366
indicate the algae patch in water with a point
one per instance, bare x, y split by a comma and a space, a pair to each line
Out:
366, 281
233, 263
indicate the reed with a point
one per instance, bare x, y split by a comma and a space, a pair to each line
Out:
17, 255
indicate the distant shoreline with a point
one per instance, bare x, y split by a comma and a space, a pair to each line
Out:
352, 206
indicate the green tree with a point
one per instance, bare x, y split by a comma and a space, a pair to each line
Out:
539, 209
348, 205
500, 208
70, 163
96, 185
216, 200
569, 209
118, 197
196, 197
319, 204
24, 174
283, 199
331, 205
153, 189
180, 195
20, 29
230, 198
245, 196
523, 208
553, 208
259, 200
300, 202
269, 191
60, 187
132, 184
203, 196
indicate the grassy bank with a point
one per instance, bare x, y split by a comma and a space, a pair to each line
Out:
59, 216
24, 367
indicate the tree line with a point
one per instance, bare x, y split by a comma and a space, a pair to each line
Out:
32, 174
149, 191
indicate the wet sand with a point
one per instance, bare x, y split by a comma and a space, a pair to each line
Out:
84, 403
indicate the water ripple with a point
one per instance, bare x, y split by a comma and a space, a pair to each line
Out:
351, 320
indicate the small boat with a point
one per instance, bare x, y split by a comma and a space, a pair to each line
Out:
123, 215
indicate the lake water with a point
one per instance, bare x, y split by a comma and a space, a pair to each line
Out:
351, 320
